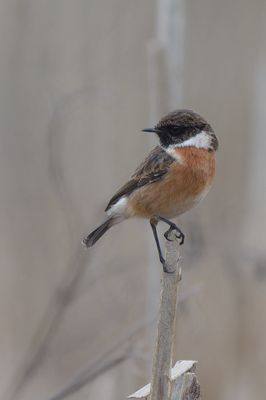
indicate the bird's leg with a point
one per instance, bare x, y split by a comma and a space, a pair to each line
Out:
173, 227
154, 222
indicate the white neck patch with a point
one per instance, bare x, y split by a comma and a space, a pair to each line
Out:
202, 141
171, 151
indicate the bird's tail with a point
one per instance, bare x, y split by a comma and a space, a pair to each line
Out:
98, 232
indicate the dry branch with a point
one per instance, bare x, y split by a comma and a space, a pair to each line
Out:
162, 360
168, 383
183, 382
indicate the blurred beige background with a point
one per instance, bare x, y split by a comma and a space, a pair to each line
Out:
79, 80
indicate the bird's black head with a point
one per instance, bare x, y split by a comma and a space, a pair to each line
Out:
185, 128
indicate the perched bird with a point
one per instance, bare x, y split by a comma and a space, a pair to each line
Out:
174, 177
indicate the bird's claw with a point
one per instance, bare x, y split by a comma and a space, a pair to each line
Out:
164, 264
165, 269
179, 235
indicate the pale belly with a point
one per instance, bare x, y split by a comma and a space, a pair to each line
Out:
177, 208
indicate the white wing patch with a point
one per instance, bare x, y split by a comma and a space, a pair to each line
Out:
119, 208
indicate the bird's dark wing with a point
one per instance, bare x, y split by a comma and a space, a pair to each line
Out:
151, 170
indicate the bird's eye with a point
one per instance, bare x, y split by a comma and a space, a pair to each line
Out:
178, 130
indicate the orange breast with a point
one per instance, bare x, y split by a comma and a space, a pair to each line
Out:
182, 187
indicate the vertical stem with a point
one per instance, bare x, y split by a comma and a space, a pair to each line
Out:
162, 359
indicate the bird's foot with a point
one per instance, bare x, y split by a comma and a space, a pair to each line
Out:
164, 264
178, 233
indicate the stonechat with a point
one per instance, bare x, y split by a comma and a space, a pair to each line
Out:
176, 175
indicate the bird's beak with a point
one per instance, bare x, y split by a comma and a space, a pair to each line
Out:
154, 130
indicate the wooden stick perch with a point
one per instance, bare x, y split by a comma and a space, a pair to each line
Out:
169, 383
162, 358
